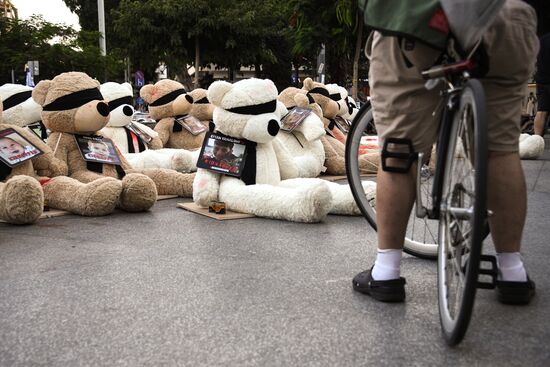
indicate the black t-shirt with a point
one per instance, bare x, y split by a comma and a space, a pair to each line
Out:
543, 61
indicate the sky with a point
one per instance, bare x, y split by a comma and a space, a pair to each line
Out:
54, 11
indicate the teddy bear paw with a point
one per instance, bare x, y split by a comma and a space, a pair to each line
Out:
139, 193
314, 203
182, 161
22, 200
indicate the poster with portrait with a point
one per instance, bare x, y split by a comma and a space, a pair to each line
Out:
223, 154
192, 124
342, 124
15, 149
38, 129
294, 118
97, 149
141, 134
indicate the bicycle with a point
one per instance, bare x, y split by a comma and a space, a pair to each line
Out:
456, 193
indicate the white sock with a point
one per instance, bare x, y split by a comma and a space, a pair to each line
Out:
510, 267
387, 265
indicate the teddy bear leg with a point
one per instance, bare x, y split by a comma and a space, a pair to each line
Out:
306, 201
92, 199
369, 163
184, 160
343, 202
170, 182
139, 193
334, 162
21, 200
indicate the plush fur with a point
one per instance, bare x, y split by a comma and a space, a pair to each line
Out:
531, 146
304, 143
296, 199
96, 193
24, 113
334, 141
21, 196
202, 109
152, 156
167, 113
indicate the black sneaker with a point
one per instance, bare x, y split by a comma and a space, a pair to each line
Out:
382, 290
515, 293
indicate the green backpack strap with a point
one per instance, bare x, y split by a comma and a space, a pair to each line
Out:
423, 20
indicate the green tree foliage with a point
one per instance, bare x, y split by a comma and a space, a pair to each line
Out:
58, 48
230, 33
328, 22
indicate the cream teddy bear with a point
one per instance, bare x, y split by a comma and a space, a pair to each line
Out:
248, 110
21, 110
139, 144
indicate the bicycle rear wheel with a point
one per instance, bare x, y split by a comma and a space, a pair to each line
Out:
421, 236
462, 222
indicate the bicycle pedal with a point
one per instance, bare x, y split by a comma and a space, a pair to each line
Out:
487, 272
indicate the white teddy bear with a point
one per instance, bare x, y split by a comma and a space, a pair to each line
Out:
248, 110
20, 109
139, 144
530, 146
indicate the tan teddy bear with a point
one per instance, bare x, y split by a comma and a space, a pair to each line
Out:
333, 142
168, 101
202, 109
73, 105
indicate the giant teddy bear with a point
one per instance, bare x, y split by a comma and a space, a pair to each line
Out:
248, 110
168, 101
73, 105
139, 144
304, 142
334, 141
20, 109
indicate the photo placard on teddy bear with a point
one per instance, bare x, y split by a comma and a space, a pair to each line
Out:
294, 118
98, 149
38, 129
142, 135
192, 124
15, 149
342, 124
223, 154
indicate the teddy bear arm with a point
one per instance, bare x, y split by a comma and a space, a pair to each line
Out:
163, 128
155, 144
334, 161
287, 166
206, 187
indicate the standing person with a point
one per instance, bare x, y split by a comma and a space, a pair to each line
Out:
542, 79
403, 109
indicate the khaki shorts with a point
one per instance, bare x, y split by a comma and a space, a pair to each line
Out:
403, 108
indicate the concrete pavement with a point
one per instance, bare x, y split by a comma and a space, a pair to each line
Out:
169, 287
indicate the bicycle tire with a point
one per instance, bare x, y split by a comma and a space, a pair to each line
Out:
360, 124
463, 256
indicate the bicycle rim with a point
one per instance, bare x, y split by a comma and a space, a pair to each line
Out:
421, 236
463, 213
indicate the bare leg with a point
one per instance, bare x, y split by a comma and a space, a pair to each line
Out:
507, 199
395, 194
540, 119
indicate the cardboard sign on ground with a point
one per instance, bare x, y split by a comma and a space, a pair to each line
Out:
192, 207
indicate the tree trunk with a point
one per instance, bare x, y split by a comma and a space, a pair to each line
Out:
197, 62
355, 77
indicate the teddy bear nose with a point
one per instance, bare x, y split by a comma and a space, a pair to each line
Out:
103, 109
272, 127
189, 98
127, 110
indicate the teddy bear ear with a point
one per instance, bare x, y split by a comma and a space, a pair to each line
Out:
217, 91
128, 86
40, 91
146, 92
308, 83
301, 100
